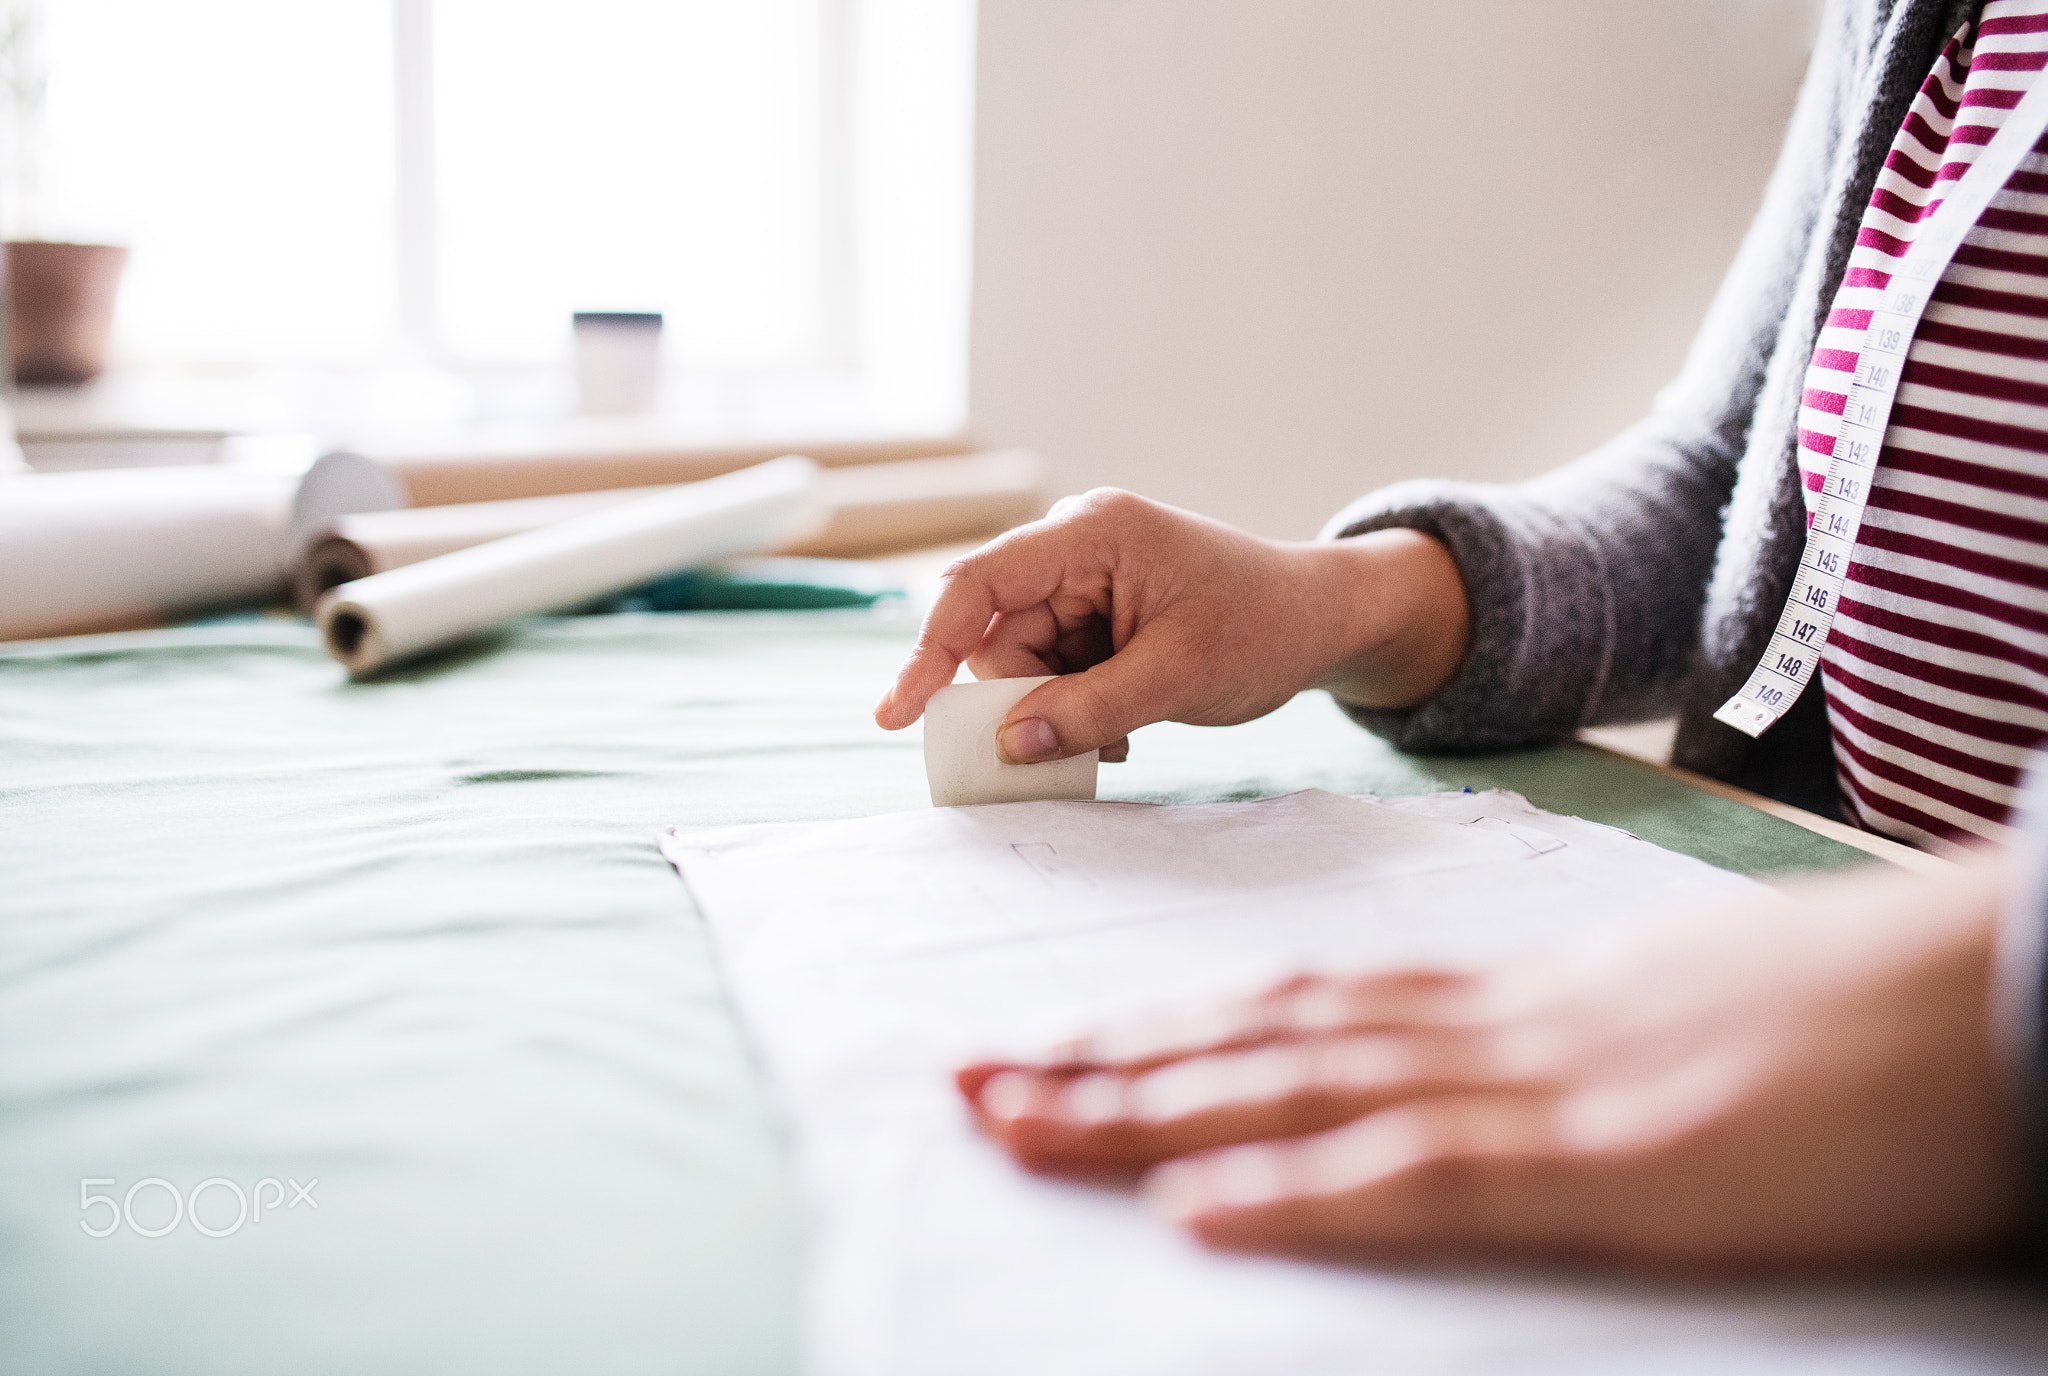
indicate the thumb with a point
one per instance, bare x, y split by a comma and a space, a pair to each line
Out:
1076, 713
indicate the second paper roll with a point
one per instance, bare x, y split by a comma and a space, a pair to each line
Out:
387, 617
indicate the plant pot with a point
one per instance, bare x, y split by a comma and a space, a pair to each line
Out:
60, 309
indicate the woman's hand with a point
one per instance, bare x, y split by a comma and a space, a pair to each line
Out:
1156, 614
1772, 1086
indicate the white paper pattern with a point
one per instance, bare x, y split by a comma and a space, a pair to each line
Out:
870, 956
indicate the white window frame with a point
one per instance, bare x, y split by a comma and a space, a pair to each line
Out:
893, 364
894, 155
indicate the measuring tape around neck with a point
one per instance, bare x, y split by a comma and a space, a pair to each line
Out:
1793, 655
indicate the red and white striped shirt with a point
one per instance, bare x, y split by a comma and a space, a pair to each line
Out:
1936, 672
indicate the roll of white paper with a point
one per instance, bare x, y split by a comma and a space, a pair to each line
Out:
877, 508
387, 617
587, 454
114, 549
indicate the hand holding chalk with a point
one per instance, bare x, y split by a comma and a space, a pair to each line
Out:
1143, 613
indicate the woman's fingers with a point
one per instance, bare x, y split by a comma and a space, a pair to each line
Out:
1304, 1005
1012, 574
1086, 1121
1306, 1054
1091, 557
1481, 1172
1019, 644
1301, 1006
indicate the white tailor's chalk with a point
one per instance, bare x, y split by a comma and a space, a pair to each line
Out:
960, 761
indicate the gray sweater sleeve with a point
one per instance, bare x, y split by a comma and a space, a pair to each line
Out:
1587, 585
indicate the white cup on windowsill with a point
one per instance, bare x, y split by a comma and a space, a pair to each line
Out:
618, 362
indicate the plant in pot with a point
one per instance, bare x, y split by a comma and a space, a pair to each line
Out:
60, 296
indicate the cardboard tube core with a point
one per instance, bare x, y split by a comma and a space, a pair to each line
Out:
345, 632
327, 565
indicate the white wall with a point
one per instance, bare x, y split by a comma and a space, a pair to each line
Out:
1257, 256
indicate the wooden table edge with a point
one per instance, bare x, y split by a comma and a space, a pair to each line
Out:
1883, 847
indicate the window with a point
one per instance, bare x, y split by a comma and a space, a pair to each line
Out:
668, 156
365, 184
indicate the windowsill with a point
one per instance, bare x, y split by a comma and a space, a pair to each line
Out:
285, 417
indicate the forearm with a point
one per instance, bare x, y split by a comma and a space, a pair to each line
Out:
1397, 623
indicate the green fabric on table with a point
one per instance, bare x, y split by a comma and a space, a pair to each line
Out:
413, 938
768, 584
1310, 744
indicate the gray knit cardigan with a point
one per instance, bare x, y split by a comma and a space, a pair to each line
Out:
1646, 577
